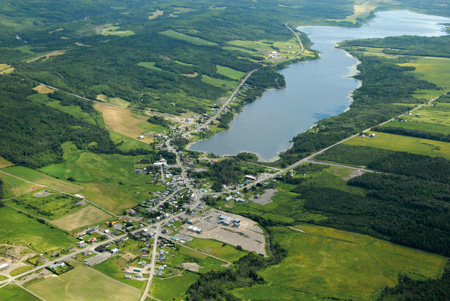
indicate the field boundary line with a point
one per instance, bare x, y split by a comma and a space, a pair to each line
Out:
37, 296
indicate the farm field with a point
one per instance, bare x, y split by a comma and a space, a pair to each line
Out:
14, 186
41, 89
14, 292
172, 288
219, 82
42, 179
113, 31
190, 39
434, 70
29, 232
50, 205
150, 65
109, 180
404, 144
83, 217
217, 249
230, 73
83, 283
4, 162
127, 143
124, 122
330, 263
421, 126
439, 115
45, 56
6, 69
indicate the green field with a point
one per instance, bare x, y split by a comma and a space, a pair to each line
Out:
14, 186
50, 207
193, 40
404, 144
20, 270
219, 82
434, 70
29, 232
421, 126
185, 255
172, 288
113, 267
217, 249
127, 143
42, 179
109, 180
328, 263
14, 292
439, 115
83, 283
230, 73
150, 65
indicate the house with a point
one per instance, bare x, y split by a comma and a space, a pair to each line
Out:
251, 178
114, 251
3, 266
239, 200
193, 221
93, 239
81, 244
128, 276
230, 198
141, 137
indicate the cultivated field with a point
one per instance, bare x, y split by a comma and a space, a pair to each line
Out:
155, 14
328, 263
404, 144
123, 122
6, 69
45, 57
29, 232
83, 217
230, 73
14, 292
173, 288
190, 39
219, 82
83, 283
42, 179
41, 89
151, 65
113, 31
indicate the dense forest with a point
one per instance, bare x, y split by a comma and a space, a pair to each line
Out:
31, 134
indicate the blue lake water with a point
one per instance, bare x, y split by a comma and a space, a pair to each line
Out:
315, 89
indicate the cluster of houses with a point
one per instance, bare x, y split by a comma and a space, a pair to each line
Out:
226, 221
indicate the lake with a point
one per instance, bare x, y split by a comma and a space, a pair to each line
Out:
315, 89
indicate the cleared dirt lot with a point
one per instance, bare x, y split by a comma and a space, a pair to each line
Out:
265, 198
249, 235
83, 217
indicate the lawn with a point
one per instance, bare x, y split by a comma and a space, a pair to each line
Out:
329, 263
112, 268
84, 217
127, 143
31, 233
230, 73
190, 39
20, 270
42, 179
83, 283
404, 144
14, 186
219, 82
51, 207
14, 292
172, 288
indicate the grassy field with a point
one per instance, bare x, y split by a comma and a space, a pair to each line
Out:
113, 100
434, 70
83, 283
112, 268
230, 73
150, 65
29, 232
14, 292
219, 82
172, 288
50, 207
14, 186
421, 126
127, 143
404, 144
124, 122
6, 69
42, 179
216, 248
190, 39
83, 217
329, 263
20, 270
44, 56
113, 31
108, 180
5, 163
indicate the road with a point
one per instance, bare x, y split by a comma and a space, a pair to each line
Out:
152, 266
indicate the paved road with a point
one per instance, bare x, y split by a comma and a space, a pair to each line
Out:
152, 267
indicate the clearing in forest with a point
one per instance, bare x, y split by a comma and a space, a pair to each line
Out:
46, 56
6, 69
41, 89
155, 14
180, 36
113, 100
